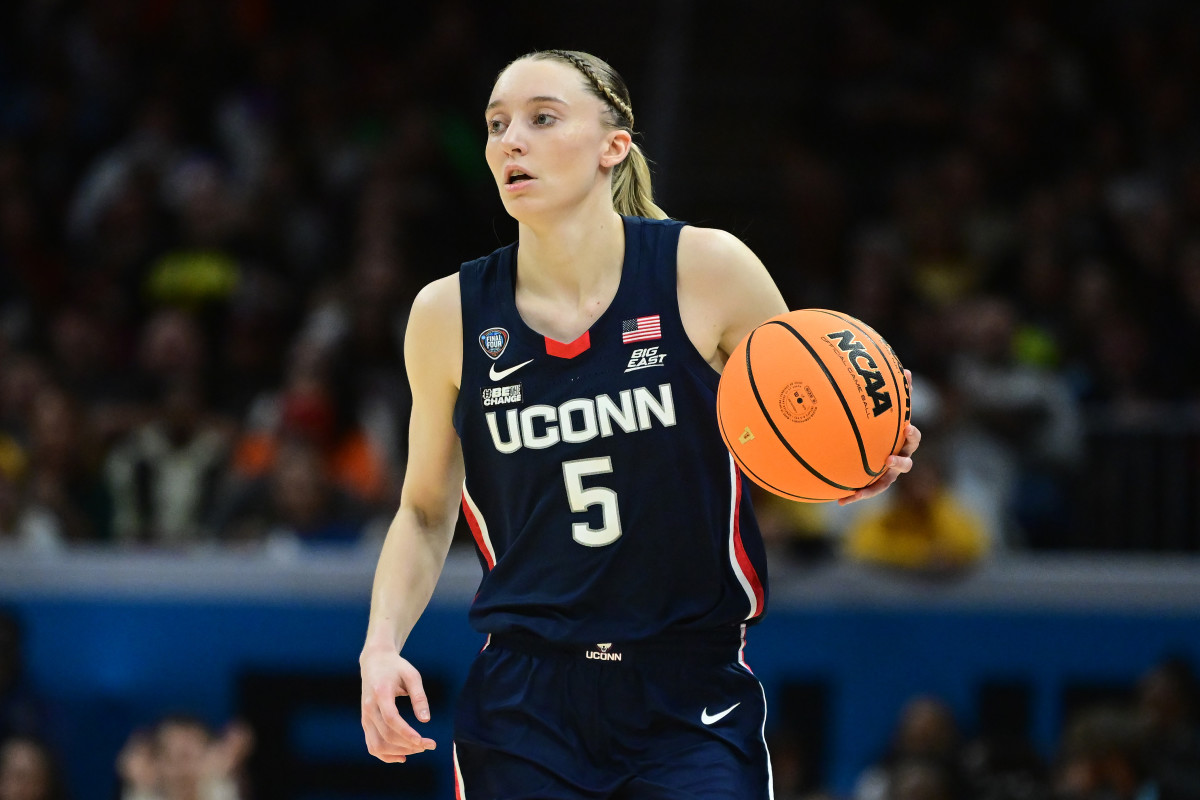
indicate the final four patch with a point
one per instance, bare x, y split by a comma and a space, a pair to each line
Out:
493, 341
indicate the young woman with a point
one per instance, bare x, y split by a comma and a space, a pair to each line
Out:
564, 391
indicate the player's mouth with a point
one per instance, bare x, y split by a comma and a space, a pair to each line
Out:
516, 178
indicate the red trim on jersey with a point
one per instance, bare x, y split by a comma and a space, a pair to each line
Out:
742, 651
473, 524
743, 559
569, 350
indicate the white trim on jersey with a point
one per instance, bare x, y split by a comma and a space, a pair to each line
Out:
734, 491
763, 733
460, 788
484, 536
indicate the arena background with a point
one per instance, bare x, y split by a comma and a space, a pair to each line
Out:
214, 213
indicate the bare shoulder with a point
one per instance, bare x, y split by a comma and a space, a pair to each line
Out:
439, 297
711, 252
724, 290
433, 343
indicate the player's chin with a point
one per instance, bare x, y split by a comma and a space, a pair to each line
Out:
521, 208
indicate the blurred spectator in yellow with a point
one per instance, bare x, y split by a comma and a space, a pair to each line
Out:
28, 771
924, 527
182, 759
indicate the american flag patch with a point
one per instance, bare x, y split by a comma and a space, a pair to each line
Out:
640, 329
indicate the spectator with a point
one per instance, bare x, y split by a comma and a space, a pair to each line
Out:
28, 770
1167, 706
1004, 768
164, 476
65, 491
311, 407
926, 733
921, 779
1103, 756
295, 501
182, 759
1017, 434
924, 528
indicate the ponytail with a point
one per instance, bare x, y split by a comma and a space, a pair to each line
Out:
632, 193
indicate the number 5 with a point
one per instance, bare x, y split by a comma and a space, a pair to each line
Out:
582, 499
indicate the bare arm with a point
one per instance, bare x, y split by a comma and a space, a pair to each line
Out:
724, 293
418, 539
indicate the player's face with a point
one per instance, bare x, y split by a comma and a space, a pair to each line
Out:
546, 141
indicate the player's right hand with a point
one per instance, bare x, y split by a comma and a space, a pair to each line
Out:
386, 676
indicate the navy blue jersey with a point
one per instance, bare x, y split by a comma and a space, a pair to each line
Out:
603, 502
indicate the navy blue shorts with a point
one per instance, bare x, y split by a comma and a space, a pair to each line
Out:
681, 717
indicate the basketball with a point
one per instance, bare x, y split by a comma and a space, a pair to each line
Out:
811, 403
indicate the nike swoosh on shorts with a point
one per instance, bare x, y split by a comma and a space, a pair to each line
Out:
504, 373
708, 719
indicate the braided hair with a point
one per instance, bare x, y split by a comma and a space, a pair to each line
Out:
632, 192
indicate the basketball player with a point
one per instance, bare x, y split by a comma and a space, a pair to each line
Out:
564, 391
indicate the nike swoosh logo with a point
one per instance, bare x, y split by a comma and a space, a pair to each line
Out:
710, 719
504, 373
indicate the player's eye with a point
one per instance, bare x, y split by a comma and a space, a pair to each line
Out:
543, 119
495, 126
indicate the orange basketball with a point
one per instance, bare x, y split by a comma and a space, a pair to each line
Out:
811, 403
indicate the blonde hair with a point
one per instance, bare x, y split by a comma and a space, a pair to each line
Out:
632, 192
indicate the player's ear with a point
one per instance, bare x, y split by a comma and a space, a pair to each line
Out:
616, 148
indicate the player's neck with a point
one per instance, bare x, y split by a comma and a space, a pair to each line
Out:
574, 258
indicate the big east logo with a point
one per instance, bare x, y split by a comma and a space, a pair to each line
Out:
866, 368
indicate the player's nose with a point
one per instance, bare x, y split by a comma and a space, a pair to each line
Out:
513, 141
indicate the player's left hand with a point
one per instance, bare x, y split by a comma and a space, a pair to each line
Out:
896, 464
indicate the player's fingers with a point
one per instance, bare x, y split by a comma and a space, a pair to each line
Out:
420, 703
896, 465
378, 744
912, 440
392, 727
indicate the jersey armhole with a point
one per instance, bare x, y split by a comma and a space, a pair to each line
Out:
694, 360
464, 309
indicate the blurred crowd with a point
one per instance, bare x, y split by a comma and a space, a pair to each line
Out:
1141, 743
208, 212
1116, 742
214, 214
